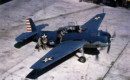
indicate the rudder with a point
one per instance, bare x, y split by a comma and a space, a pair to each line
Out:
30, 25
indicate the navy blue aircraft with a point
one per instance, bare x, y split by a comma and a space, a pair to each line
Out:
75, 38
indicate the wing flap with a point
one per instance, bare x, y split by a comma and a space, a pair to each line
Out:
58, 53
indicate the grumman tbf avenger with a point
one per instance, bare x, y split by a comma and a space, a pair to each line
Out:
67, 40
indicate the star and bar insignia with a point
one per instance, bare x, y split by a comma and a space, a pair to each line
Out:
44, 36
47, 59
97, 17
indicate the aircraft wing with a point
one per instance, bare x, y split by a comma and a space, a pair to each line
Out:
24, 36
93, 24
58, 53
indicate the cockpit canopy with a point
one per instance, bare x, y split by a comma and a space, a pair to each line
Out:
72, 27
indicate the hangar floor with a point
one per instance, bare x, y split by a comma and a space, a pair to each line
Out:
15, 63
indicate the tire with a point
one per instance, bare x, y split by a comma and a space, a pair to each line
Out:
82, 59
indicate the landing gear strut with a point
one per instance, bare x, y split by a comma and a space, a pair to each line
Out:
82, 58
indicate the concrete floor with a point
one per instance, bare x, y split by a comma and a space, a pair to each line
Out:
15, 63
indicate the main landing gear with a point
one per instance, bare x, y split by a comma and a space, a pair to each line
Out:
82, 58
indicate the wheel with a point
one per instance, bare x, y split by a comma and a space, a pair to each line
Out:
82, 59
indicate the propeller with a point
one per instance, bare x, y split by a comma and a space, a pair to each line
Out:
110, 38
113, 36
109, 43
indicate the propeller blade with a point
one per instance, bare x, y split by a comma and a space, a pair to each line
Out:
109, 43
114, 35
109, 46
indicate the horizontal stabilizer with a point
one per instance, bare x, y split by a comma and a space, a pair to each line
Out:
40, 27
25, 36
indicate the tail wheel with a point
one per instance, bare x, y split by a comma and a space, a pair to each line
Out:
82, 59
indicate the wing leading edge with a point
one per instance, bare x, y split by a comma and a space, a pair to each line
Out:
58, 53
93, 24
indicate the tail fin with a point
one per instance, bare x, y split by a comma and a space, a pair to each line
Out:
30, 25
32, 31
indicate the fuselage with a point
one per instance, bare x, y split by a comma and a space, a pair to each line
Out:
93, 39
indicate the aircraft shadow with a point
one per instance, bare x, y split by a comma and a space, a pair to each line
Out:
92, 51
21, 44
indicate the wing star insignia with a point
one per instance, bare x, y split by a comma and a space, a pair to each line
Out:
47, 59
44, 36
96, 18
